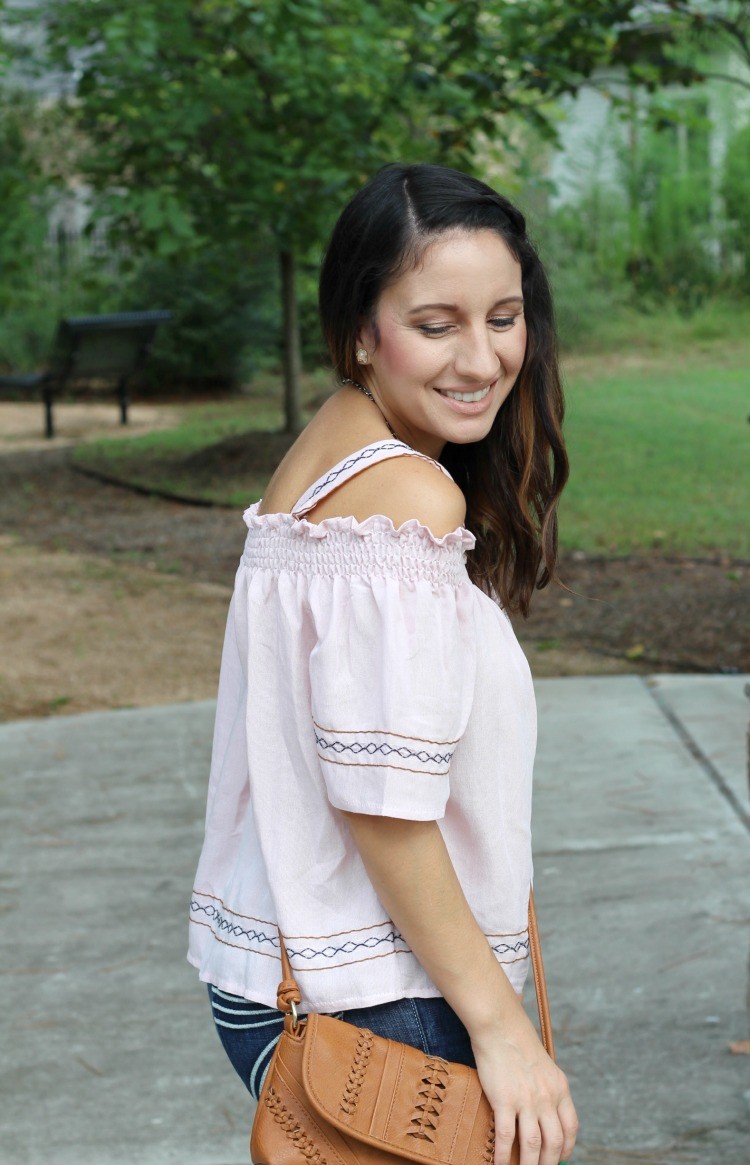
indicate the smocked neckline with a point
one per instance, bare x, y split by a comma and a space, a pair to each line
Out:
461, 536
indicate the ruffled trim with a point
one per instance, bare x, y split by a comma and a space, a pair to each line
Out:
460, 537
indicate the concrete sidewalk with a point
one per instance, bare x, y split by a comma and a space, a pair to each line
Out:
107, 1050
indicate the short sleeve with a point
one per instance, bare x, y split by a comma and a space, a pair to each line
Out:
392, 680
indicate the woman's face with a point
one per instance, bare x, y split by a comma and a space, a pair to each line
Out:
452, 339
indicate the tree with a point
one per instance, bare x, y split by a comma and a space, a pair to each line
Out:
705, 30
238, 119
24, 194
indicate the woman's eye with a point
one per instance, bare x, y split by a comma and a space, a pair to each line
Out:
499, 323
434, 329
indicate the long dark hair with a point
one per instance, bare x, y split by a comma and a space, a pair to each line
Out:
512, 479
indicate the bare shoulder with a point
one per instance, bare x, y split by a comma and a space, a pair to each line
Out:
400, 488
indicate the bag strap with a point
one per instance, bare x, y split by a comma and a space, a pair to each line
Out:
289, 994
540, 981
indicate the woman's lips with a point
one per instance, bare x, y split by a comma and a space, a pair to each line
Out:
467, 407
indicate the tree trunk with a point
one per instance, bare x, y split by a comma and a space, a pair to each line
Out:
292, 359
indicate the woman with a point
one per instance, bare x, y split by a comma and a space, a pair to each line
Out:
370, 787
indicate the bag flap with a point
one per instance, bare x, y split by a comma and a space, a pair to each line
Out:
395, 1097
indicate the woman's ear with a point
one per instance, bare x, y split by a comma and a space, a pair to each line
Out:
365, 337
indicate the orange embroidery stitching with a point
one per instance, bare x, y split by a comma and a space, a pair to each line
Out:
310, 970
249, 917
382, 732
396, 768
236, 946
290, 937
297, 970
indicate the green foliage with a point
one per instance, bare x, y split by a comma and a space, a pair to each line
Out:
243, 125
584, 246
650, 233
653, 331
42, 276
23, 193
213, 118
224, 323
23, 226
665, 167
695, 35
735, 189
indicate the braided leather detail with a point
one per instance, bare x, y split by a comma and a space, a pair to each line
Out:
489, 1149
292, 1128
353, 1086
430, 1099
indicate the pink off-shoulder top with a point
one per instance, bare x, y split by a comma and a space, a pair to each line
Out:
362, 670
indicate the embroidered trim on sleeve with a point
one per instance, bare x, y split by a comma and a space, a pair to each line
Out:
379, 749
401, 735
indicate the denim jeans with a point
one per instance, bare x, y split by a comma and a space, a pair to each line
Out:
249, 1031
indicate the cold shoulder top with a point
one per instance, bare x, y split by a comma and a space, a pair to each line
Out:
362, 670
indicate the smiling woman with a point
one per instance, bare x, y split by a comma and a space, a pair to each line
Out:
371, 683
433, 298
465, 351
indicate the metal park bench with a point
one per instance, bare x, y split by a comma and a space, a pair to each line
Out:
106, 347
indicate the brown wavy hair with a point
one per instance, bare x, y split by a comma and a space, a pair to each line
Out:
512, 479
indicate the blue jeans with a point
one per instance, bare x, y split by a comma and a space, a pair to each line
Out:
249, 1031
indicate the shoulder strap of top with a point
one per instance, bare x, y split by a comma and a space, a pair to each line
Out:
353, 464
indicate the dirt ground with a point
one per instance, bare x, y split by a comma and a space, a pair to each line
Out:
22, 423
113, 599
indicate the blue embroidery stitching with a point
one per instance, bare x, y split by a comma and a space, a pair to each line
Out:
392, 937
358, 746
225, 926
363, 455
511, 948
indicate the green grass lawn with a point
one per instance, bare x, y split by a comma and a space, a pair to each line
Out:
659, 459
657, 432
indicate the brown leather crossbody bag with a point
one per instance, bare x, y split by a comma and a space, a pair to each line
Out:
337, 1094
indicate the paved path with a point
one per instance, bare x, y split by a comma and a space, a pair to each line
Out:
107, 1053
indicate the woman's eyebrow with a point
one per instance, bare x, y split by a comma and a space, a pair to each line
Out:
454, 306
427, 306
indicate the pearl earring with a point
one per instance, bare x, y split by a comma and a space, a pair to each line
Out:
362, 356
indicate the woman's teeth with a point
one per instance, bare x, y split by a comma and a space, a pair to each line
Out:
468, 396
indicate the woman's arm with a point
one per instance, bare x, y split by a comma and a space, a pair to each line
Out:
414, 878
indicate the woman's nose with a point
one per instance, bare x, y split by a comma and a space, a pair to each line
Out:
475, 356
